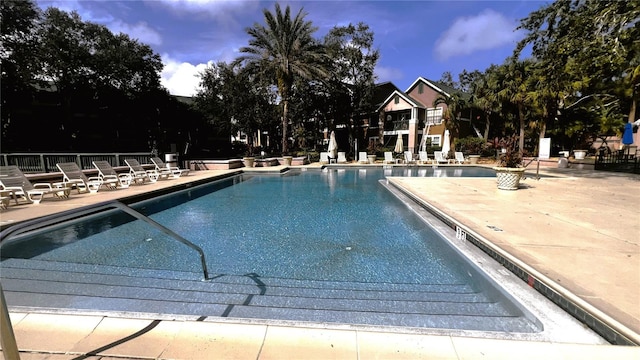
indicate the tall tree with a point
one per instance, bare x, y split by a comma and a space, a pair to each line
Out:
455, 104
483, 89
283, 50
585, 50
513, 85
19, 21
233, 100
352, 77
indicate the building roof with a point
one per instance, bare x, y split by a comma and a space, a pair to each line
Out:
443, 89
407, 98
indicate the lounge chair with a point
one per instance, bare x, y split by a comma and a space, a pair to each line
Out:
342, 157
459, 159
438, 157
73, 176
13, 181
171, 171
408, 158
139, 175
362, 157
107, 173
388, 158
324, 157
423, 157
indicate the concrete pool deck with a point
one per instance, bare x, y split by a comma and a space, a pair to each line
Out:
580, 229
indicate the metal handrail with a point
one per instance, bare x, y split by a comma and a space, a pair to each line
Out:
74, 214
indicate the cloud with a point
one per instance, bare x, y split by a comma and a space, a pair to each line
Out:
181, 78
488, 30
94, 12
388, 74
140, 31
219, 9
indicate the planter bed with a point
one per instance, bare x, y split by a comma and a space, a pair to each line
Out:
216, 164
266, 162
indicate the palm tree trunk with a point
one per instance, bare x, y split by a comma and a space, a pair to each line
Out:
285, 124
632, 110
487, 123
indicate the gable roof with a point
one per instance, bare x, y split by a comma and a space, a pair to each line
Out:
382, 91
413, 102
443, 89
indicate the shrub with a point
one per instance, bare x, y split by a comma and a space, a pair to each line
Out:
471, 145
511, 157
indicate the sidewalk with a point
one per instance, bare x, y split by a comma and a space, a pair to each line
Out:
580, 229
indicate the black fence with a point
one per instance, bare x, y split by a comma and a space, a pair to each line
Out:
626, 160
44, 163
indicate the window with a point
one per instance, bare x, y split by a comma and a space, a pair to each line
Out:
435, 139
420, 88
396, 99
434, 116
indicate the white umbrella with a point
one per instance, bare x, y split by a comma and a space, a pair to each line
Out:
446, 146
399, 145
333, 145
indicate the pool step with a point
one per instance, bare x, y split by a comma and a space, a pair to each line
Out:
43, 284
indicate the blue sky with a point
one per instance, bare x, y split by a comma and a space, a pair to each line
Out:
415, 38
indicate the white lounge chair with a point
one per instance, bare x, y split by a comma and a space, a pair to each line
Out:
423, 157
73, 176
362, 157
342, 157
408, 158
459, 159
173, 172
388, 158
438, 157
324, 157
138, 174
107, 173
12, 180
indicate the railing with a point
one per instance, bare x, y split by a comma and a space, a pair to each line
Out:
46, 162
619, 161
55, 219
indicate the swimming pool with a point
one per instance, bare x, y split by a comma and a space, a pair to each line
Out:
330, 246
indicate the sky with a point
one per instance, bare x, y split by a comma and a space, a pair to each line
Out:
420, 38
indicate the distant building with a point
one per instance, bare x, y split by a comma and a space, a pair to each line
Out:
411, 114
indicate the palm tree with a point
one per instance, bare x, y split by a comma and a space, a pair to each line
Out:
283, 50
484, 96
514, 90
455, 103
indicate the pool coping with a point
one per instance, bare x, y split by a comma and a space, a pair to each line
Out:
532, 347
603, 324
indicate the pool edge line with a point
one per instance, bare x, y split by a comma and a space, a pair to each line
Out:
601, 323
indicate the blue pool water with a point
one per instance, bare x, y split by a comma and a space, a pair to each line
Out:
338, 224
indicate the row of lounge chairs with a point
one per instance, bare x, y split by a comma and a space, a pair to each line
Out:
423, 158
14, 184
325, 158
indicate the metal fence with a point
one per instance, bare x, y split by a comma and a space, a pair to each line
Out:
46, 162
619, 161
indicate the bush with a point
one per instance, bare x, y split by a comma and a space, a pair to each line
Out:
511, 157
471, 145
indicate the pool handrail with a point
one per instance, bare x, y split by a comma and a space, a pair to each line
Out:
54, 219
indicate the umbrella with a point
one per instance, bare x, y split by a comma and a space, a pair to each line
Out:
333, 145
446, 146
627, 137
399, 145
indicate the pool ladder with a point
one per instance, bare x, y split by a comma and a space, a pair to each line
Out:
7, 337
89, 210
